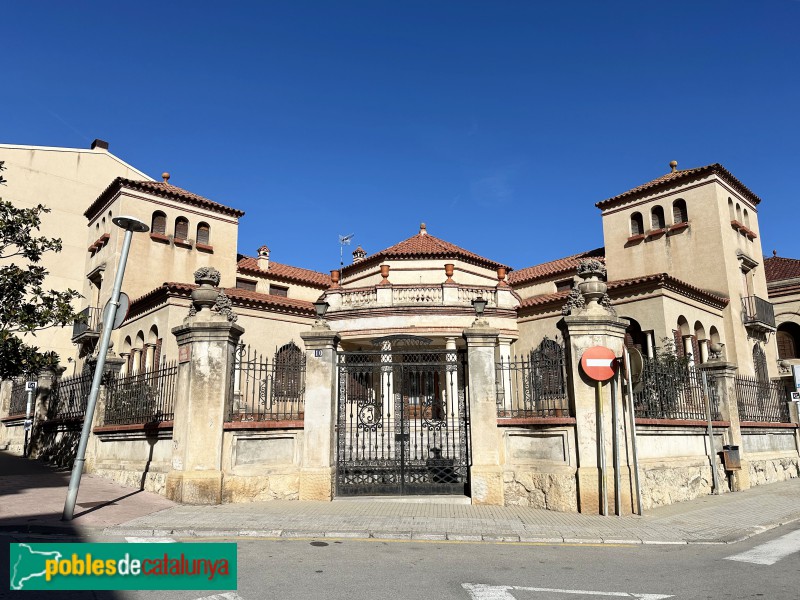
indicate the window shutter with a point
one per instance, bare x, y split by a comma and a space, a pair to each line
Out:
202, 234
181, 229
242, 284
276, 290
160, 223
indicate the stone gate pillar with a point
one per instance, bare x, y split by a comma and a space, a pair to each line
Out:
486, 474
207, 341
589, 322
319, 437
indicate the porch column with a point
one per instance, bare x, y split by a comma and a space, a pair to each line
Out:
319, 429
149, 357
486, 475
703, 345
688, 350
206, 344
650, 350
136, 367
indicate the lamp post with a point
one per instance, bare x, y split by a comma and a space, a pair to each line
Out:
321, 307
131, 225
479, 304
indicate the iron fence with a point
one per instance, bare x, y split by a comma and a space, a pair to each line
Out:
144, 397
69, 395
670, 390
268, 390
759, 400
535, 386
19, 398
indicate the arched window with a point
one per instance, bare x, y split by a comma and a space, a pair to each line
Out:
760, 364
203, 231
289, 373
679, 214
739, 213
547, 373
159, 223
181, 228
657, 218
730, 209
637, 224
788, 338
746, 219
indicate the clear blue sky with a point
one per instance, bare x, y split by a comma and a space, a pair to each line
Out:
499, 124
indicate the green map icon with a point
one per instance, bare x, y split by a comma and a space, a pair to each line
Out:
29, 564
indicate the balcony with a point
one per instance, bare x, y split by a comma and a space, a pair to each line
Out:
89, 325
758, 314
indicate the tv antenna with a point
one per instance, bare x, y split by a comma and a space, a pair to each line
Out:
344, 240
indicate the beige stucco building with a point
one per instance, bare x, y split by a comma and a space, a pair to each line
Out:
448, 368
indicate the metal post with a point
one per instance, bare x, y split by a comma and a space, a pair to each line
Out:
602, 444
634, 451
28, 424
130, 224
615, 443
711, 446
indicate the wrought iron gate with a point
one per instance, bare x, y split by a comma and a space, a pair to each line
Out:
403, 425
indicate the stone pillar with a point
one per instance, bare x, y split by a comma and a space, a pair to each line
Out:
206, 344
319, 428
124, 370
45, 381
136, 363
703, 345
688, 350
486, 474
583, 331
149, 357
650, 350
724, 376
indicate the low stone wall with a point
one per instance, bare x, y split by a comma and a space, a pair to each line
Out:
539, 467
12, 435
771, 454
261, 464
56, 442
138, 459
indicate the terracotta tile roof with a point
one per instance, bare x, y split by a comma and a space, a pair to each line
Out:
424, 245
158, 188
668, 180
554, 267
777, 268
246, 264
240, 298
657, 280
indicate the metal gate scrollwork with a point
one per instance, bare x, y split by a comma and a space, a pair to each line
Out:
403, 423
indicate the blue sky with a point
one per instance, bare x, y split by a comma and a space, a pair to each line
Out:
499, 124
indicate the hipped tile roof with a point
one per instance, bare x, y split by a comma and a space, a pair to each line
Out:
668, 180
554, 267
247, 264
777, 268
424, 246
161, 189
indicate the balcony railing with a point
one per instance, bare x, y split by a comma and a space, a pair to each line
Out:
758, 313
89, 324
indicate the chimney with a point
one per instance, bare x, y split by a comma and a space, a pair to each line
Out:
359, 254
102, 144
263, 258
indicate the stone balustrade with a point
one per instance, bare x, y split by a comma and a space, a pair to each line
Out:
416, 295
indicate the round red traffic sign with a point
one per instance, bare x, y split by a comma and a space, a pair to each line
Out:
599, 363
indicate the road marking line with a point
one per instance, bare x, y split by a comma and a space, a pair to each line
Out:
770, 552
149, 540
227, 596
479, 591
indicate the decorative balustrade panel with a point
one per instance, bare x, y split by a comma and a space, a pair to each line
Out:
359, 298
19, 398
268, 390
417, 295
533, 386
144, 397
466, 295
759, 400
69, 395
670, 390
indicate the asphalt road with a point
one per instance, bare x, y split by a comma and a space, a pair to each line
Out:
348, 569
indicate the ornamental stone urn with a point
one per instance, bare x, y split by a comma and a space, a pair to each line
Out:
449, 269
205, 296
592, 288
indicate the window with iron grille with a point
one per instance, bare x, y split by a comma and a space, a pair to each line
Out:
244, 284
159, 223
679, 214
637, 224
277, 290
181, 228
203, 231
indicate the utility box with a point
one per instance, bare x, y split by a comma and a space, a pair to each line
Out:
731, 458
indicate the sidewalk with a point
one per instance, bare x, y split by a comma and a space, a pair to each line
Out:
33, 497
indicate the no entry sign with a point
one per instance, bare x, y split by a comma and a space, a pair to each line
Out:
599, 363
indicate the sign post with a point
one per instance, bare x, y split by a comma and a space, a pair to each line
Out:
632, 417
30, 388
600, 364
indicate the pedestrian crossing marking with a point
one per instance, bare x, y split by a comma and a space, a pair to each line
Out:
769, 553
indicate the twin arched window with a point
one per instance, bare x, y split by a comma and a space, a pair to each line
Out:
657, 218
158, 225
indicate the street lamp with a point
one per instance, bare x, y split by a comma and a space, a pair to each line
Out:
321, 307
479, 304
131, 225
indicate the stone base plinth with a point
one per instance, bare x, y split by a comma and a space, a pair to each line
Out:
486, 485
590, 499
195, 487
316, 484
741, 479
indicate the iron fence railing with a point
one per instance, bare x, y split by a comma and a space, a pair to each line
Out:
533, 386
673, 391
69, 395
268, 390
144, 397
759, 400
19, 398
90, 319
